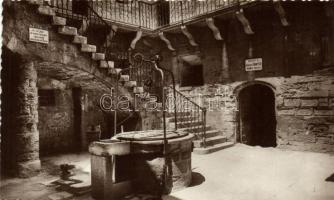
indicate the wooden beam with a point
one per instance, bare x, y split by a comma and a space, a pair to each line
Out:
136, 39
244, 21
84, 25
110, 36
189, 36
211, 24
281, 12
168, 43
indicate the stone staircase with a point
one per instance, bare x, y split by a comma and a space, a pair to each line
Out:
106, 66
215, 141
77, 39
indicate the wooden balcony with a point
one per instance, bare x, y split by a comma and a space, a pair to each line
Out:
147, 15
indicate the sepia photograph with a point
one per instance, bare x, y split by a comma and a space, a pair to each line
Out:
167, 100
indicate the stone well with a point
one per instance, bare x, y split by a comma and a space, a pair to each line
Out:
133, 162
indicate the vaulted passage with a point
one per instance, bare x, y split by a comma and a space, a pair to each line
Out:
257, 116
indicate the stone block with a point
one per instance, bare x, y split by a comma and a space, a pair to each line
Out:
286, 112
304, 112
68, 30
323, 112
58, 21
124, 78
114, 70
88, 48
323, 102
324, 140
130, 84
331, 102
309, 102
98, 56
103, 64
78, 39
111, 64
292, 102
46, 10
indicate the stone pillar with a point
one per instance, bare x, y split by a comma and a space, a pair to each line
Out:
225, 65
25, 119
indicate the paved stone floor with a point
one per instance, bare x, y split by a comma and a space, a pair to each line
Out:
253, 173
238, 173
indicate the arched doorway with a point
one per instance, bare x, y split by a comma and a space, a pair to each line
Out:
257, 116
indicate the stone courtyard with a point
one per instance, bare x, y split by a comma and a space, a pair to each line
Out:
173, 100
238, 173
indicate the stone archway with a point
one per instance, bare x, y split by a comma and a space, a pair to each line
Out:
257, 116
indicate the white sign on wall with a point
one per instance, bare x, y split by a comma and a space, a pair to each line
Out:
253, 64
38, 35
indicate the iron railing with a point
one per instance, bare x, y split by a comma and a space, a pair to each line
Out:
190, 115
149, 16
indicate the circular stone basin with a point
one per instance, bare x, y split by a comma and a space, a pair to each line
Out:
140, 159
149, 135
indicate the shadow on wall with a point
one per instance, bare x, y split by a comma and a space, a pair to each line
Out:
330, 178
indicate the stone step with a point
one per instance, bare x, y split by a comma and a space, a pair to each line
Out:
130, 84
79, 39
68, 30
35, 2
211, 149
107, 64
210, 141
208, 134
58, 21
88, 48
98, 56
197, 129
189, 124
103, 64
46, 10
180, 119
185, 124
125, 78
138, 90
179, 114
114, 70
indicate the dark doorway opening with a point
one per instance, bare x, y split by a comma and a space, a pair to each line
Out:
257, 116
191, 75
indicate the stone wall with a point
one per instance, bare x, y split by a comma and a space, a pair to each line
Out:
56, 121
297, 65
304, 109
305, 112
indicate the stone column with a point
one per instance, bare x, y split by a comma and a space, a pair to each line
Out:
25, 119
225, 66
